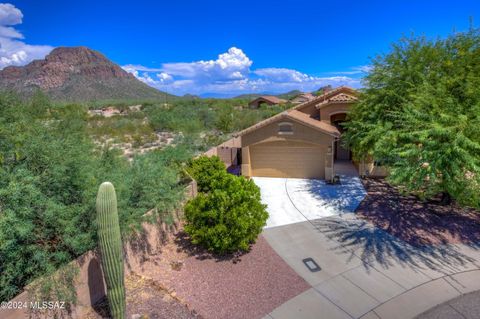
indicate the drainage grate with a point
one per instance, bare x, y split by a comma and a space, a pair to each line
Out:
311, 264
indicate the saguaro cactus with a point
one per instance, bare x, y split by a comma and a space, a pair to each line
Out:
111, 250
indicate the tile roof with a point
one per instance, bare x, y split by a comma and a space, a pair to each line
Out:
326, 95
306, 119
296, 116
345, 93
269, 98
339, 98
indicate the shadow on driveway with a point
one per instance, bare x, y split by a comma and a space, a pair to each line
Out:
375, 246
344, 197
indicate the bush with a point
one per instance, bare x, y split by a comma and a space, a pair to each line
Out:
49, 172
230, 216
206, 171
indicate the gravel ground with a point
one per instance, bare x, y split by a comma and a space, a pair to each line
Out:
415, 221
246, 286
145, 300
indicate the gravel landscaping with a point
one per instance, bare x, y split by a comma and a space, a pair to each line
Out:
145, 300
415, 221
234, 286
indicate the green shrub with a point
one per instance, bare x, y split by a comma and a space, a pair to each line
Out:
49, 174
228, 218
206, 171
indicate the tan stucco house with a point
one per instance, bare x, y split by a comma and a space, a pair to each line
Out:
267, 100
302, 142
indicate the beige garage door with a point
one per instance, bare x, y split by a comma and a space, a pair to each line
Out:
288, 159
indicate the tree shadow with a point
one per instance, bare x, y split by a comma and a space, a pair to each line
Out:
375, 246
344, 197
418, 222
184, 244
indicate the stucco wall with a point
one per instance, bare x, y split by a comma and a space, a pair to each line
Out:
288, 159
301, 132
268, 136
309, 109
328, 110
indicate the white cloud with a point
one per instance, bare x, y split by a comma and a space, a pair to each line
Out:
13, 51
165, 77
356, 70
283, 75
9, 15
231, 74
138, 67
232, 65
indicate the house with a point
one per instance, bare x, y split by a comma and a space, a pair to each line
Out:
266, 99
302, 98
304, 141
301, 142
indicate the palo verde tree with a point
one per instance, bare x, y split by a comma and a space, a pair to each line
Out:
420, 114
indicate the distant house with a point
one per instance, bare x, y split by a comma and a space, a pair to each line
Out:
302, 98
266, 99
105, 112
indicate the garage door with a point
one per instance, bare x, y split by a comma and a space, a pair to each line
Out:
287, 159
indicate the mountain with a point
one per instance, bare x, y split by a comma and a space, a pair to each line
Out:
289, 95
285, 96
76, 74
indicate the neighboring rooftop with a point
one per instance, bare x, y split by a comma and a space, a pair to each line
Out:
267, 99
345, 93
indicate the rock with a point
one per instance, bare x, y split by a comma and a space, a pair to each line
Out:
176, 265
75, 73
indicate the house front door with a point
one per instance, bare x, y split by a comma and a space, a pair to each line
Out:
342, 152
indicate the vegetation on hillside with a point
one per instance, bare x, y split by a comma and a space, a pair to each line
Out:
286, 96
205, 122
53, 156
420, 115
49, 173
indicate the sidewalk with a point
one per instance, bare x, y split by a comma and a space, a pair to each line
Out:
367, 273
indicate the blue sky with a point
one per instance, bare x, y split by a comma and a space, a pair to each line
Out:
228, 47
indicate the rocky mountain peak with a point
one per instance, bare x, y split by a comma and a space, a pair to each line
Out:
67, 71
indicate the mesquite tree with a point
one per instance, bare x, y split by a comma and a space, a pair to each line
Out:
420, 114
110, 244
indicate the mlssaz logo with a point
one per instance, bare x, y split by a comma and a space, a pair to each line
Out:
44, 305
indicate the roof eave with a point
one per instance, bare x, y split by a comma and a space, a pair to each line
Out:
325, 103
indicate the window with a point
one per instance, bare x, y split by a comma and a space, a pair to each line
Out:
285, 128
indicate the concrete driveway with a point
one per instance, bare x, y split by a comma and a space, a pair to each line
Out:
293, 200
363, 272
366, 273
